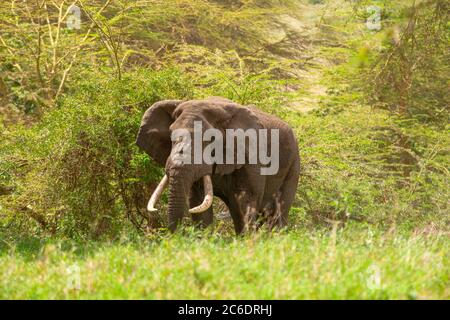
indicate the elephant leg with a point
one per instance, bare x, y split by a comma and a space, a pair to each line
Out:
286, 196
246, 209
203, 219
243, 192
238, 218
267, 212
248, 194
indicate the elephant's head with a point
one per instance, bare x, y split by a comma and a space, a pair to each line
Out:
155, 138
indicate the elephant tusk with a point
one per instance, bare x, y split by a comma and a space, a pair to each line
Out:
157, 194
208, 200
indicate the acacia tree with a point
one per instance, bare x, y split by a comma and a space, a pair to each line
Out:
41, 40
39, 53
411, 72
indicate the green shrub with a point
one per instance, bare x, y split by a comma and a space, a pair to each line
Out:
78, 171
371, 167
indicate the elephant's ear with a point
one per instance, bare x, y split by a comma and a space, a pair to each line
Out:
154, 133
240, 117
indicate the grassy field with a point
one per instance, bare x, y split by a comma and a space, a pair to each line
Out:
354, 262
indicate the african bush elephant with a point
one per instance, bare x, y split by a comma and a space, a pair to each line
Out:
252, 198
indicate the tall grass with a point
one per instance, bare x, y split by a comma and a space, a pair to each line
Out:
356, 262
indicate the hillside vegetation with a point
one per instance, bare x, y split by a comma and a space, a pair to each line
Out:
369, 107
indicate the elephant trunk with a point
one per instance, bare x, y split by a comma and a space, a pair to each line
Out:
178, 199
179, 186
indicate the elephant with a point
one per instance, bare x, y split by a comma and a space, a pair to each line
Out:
253, 199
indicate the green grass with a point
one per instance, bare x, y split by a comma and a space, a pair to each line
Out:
355, 262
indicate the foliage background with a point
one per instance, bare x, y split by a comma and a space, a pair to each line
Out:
369, 108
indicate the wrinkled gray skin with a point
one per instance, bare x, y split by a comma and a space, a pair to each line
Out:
251, 197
